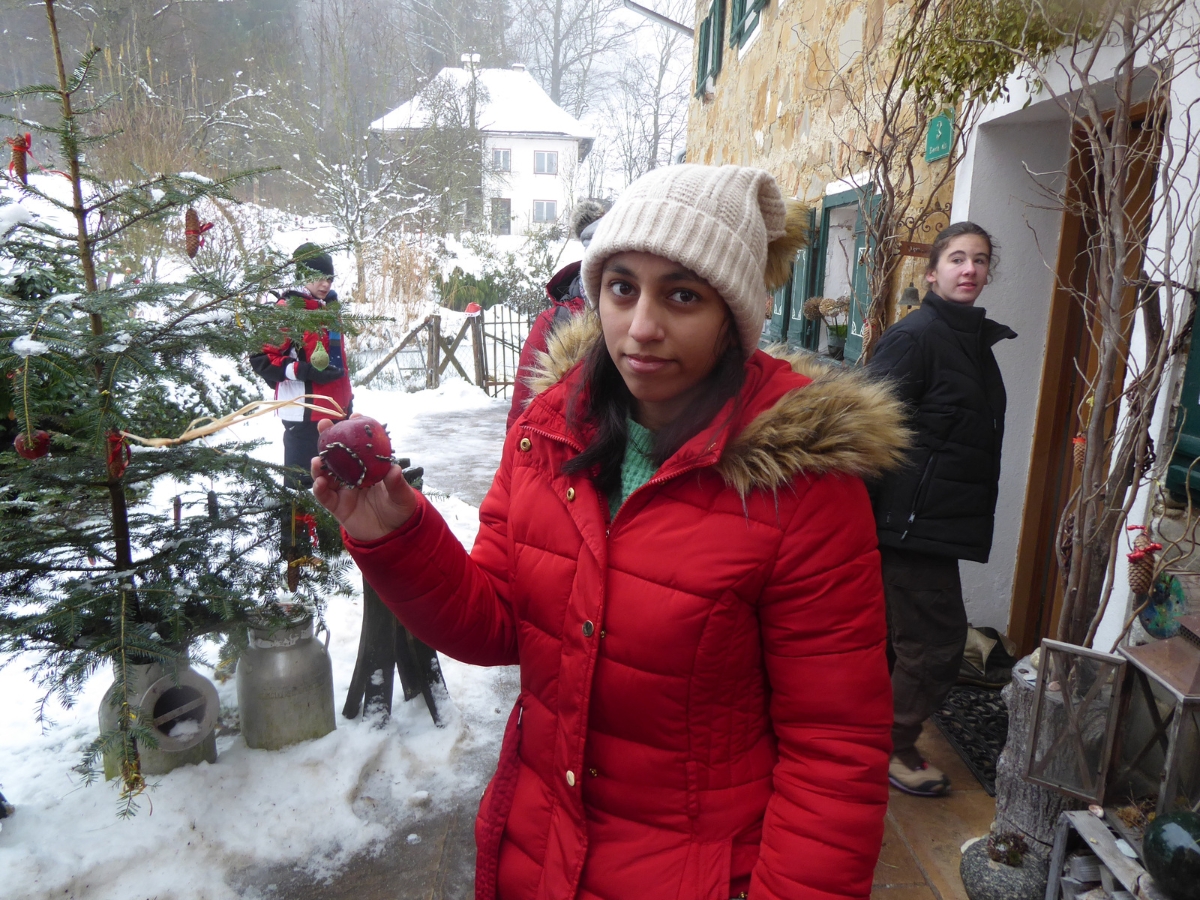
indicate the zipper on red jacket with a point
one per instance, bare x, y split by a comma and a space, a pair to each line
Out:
698, 463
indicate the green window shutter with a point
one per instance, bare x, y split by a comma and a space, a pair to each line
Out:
743, 19
737, 13
702, 69
777, 327
861, 293
1183, 475
717, 16
801, 332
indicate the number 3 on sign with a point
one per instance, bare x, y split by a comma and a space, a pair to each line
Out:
938, 137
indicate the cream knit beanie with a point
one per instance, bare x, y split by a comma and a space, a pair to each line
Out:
716, 221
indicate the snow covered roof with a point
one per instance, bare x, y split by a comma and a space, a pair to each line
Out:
516, 104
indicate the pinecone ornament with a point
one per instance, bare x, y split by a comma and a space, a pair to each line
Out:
191, 232
1141, 560
1079, 450
18, 166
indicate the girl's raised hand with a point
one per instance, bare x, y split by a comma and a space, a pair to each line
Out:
366, 513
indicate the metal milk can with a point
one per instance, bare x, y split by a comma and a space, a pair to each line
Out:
181, 708
285, 685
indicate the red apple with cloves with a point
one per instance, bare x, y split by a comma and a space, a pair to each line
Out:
357, 452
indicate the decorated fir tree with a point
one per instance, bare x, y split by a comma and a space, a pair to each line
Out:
102, 371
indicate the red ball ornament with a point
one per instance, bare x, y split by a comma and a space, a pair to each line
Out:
357, 452
33, 449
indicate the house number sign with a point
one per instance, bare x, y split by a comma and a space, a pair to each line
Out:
938, 138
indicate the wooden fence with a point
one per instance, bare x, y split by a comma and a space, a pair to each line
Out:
490, 341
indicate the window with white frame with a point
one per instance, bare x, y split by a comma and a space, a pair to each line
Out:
545, 211
502, 160
545, 162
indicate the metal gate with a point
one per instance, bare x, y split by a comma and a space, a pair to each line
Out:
504, 333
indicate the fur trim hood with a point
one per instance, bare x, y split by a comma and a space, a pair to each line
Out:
844, 421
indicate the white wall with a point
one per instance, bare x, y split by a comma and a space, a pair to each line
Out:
1016, 147
995, 189
522, 186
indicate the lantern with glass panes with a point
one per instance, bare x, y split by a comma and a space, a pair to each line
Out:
1074, 720
1157, 752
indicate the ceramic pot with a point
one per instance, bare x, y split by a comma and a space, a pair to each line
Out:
1171, 849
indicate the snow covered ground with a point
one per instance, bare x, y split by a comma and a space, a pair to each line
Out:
315, 805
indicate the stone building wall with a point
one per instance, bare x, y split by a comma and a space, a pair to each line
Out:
796, 102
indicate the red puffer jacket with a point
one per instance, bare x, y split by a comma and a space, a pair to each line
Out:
705, 705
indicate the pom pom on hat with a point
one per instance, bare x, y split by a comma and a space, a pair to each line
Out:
728, 224
587, 212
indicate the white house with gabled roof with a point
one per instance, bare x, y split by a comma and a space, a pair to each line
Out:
534, 146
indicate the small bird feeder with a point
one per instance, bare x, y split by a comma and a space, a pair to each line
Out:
1158, 749
1074, 720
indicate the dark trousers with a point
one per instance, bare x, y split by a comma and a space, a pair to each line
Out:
299, 447
927, 631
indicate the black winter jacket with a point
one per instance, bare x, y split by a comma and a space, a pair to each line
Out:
940, 360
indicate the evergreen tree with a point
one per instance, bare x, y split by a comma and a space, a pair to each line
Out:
98, 568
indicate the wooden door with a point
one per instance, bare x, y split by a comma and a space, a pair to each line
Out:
1069, 365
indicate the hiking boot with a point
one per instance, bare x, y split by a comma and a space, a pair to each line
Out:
923, 781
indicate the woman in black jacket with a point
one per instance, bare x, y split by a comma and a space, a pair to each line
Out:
941, 507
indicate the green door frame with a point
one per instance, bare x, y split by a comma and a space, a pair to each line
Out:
860, 288
777, 327
802, 333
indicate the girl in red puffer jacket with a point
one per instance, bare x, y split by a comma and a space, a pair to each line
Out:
679, 553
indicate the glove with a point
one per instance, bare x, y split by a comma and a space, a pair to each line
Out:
307, 372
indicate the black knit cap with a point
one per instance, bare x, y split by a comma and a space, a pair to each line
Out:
312, 262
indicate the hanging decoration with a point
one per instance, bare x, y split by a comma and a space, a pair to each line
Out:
309, 523
1141, 560
32, 448
118, 454
193, 231
17, 167
1079, 450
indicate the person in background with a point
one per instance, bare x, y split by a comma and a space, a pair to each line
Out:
941, 507
6, 809
314, 365
678, 550
565, 293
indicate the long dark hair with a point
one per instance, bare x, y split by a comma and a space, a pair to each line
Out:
603, 402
